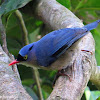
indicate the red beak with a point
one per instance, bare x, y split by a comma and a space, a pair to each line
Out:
14, 62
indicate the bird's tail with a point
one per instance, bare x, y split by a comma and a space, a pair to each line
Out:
92, 25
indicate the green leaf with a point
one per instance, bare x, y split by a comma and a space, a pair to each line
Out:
86, 5
47, 88
79, 5
96, 36
0, 2
65, 3
87, 93
45, 94
91, 95
33, 35
9, 5
31, 93
98, 98
31, 23
27, 82
74, 3
92, 4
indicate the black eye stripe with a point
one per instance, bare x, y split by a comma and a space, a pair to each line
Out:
20, 58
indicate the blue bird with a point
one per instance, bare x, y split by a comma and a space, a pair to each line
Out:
48, 51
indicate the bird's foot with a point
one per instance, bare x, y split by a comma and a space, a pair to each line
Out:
65, 74
62, 72
88, 51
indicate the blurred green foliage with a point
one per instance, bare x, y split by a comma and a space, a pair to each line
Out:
91, 95
10, 5
86, 10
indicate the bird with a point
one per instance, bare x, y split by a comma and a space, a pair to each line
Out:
47, 52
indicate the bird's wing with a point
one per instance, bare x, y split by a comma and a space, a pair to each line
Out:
65, 39
92, 26
69, 36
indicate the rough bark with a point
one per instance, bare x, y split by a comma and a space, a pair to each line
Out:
83, 63
10, 85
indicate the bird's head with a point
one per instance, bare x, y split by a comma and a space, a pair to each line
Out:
24, 54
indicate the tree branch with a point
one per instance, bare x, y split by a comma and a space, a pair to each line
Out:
10, 86
57, 16
23, 27
3, 37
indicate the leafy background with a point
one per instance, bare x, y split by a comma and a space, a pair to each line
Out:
86, 10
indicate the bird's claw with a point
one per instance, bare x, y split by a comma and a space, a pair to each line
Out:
62, 72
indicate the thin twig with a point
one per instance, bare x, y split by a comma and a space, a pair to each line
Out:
36, 73
3, 37
26, 41
23, 27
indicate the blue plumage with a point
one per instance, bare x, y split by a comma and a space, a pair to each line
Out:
49, 48
25, 50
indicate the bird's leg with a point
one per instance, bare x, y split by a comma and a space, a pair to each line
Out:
62, 72
65, 74
88, 51
68, 71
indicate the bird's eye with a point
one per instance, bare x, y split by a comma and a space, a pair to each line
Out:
25, 57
